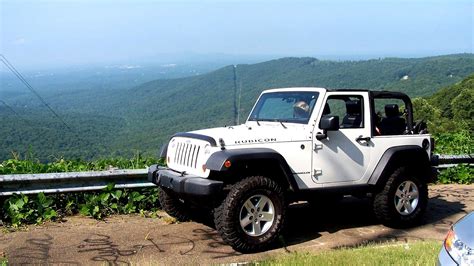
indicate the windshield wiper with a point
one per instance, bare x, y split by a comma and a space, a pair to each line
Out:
281, 122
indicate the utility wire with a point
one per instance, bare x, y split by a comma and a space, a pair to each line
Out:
9, 108
25, 82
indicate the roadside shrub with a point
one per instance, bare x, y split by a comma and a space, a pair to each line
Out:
461, 142
21, 209
17, 210
116, 201
461, 174
28, 165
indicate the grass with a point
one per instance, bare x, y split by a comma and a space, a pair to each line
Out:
416, 253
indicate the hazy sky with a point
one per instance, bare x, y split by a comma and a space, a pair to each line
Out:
54, 33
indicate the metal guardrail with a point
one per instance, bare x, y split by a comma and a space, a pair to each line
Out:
456, 159
447, 161
96, 180
72, 181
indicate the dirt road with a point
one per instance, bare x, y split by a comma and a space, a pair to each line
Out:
138, 240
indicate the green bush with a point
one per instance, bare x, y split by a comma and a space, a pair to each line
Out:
28, 165
461, 142
21, 209
27, 209
461, 174
115, 201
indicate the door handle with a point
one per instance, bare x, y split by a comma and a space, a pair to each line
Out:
361, 139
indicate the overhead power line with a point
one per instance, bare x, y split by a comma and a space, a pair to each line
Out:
9, 108
25, 82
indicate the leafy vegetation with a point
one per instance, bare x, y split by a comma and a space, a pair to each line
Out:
449, 114
461, 142
417, 253
28, 164
36, 209
26, 209
20, 209
118, 121
116, 201
451, 109
461, 174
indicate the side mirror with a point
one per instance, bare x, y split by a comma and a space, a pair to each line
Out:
330, 123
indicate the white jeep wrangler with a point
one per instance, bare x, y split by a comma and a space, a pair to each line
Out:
299, 144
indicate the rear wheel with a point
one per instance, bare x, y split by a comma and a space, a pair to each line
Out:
251, 217
403, 200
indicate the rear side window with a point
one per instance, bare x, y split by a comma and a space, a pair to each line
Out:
390, 116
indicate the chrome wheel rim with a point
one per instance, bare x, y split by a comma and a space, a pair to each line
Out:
406, 198
257, 215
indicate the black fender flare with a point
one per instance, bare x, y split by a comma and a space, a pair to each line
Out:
217, 160
409, 155
164, 148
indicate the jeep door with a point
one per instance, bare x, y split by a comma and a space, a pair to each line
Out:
344, 154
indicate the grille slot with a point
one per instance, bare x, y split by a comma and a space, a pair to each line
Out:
196, 158
183, 154
178, 148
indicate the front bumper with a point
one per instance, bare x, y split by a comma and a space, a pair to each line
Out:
183, 184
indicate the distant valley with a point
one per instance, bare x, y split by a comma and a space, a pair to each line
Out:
122, 116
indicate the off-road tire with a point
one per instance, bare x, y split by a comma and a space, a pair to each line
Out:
172, 205
227, 214
384, 201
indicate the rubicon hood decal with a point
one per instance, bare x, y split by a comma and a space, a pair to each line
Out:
261, 140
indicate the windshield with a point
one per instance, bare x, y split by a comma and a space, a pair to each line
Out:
292, 107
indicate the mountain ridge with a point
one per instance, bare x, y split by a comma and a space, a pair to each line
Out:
142, 117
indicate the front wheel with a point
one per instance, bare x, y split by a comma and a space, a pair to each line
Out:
252, 215
171, 204
403, 200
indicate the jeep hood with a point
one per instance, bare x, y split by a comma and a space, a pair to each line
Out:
244, 134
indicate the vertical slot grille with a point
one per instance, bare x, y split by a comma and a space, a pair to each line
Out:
186, 154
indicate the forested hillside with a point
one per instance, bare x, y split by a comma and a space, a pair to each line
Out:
451, 109
123, 121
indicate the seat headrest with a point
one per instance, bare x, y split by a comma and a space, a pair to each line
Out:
327, 109
391, 110
353, 107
